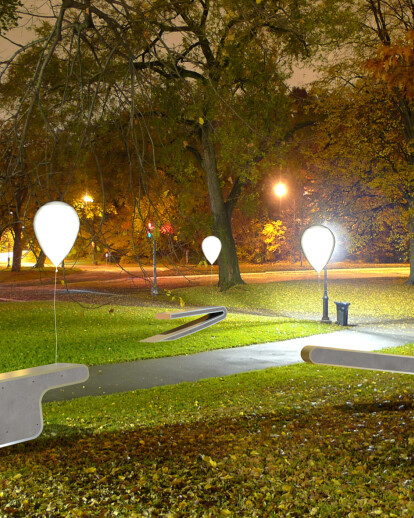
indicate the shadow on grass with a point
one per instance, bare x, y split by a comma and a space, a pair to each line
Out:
290, 457
400, 406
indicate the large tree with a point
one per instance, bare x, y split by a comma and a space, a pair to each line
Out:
366, 137
220, 94
9, 15
204, 76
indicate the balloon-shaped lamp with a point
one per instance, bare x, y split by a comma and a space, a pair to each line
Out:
318, 243
56, 225
211, 247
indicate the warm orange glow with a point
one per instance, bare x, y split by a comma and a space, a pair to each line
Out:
87, 198
280, 189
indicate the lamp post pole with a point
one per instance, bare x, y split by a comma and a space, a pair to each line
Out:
93, 252
88, 199
325, 298
294, 230
154, 289
318, 243
8, 245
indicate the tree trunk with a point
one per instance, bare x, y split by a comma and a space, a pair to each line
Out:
411, 240
40, 261
229, 271
17, 247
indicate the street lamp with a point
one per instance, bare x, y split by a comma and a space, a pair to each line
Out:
8, 251
152, 234
88, 199
280, 189
8, 243
318, 243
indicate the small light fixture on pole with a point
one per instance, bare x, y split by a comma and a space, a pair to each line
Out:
318, 243
280, 189
8, 251
87, 198
152, 234
8, 244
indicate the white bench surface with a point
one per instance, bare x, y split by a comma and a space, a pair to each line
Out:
38, 371
21, 394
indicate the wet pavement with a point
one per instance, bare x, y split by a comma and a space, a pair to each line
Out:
143, 374
91, 287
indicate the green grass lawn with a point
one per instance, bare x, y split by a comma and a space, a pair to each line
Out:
112, 334
371, 299
291, 441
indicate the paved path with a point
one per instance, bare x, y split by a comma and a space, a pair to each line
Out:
108, 379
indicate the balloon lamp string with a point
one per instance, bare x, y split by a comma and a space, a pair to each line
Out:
54, 311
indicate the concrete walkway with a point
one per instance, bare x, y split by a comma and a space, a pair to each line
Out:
121, 377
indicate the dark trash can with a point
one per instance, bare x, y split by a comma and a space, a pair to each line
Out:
342, 313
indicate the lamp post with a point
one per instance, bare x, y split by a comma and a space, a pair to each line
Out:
280, 190
151, 234
154, 289
8, 244
318, 243
8, 252
325, 298
93, 252
88, 199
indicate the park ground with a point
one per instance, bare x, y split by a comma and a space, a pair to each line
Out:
288, 441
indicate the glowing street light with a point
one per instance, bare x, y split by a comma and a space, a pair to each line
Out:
318, 243
280, 189
8, 251
88, 199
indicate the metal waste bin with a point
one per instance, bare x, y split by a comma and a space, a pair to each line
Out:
342, 313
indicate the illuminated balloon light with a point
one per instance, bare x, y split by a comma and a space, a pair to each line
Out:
56, 225
318, 243
211, 247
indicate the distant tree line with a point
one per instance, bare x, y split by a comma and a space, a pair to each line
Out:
182, 113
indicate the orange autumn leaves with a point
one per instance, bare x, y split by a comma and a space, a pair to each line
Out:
394, 64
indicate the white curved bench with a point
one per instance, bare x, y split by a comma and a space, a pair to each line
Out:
21, 393
358, 359
212, 315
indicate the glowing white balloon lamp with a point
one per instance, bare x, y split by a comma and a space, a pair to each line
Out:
56, 225
211, 247
318, 243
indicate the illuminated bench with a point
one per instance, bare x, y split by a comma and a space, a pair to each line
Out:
212, 316
358, 359
21, 395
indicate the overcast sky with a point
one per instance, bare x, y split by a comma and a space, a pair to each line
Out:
23, 33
